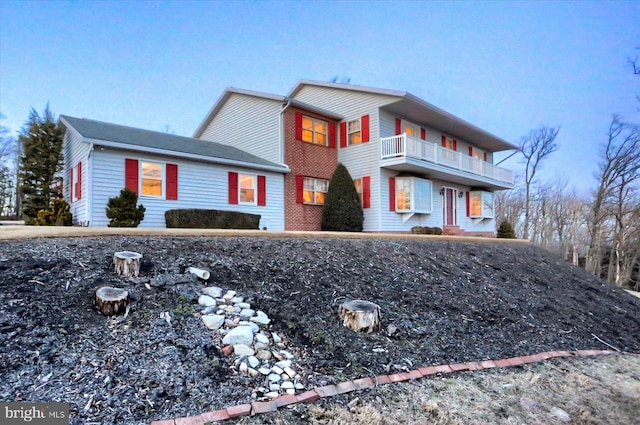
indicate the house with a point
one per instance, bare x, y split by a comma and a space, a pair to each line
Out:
166, 171
412, 163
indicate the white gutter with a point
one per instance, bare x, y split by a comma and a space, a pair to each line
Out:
126, 146
281, 131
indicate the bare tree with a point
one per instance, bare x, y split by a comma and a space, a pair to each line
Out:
615, 200
8, 167
535, 148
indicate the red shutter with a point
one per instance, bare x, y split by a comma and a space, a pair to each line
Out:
392, 193
444, 141
364, 126
398, 126
71, 186
262, 190
485, 157
455, 145
299, 189
343, 134
131, 174
79, 184
468, 206
332, 135
298, 126
470, 151
172, 182
366, 192
423, 134
233, 187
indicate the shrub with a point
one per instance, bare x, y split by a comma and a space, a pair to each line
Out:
506, 230
58, 214
211, 219
122, 210
342, 209
425, 230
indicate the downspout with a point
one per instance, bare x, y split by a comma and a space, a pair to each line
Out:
281, 130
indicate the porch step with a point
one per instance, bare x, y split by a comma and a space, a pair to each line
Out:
452, 230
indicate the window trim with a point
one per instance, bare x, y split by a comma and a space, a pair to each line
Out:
314, 132
254, 178
413, 208
359, 131
314, 191
485, 211
163, 179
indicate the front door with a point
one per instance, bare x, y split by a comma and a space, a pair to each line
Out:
449, 206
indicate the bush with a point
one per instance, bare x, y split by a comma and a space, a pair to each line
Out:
58, 214
425, 230
506, 230
211, 219
342, 211
122, 210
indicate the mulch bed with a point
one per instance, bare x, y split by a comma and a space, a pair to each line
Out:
441, 302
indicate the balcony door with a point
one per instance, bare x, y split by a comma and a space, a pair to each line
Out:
449, 210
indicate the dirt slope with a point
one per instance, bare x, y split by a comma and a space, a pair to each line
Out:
449, 301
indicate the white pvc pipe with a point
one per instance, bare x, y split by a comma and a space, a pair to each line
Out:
202, 274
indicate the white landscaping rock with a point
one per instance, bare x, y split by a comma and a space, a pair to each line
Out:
229, 295
213, 321
246, 312
239, 335
236, 300
253, 362
261, 318
206, 301
264, 355
262, 339
265, 371
243, 350
287, 385
289, 372
274, 377
243, 305
276, 338
213, 291
273, 394
283, 364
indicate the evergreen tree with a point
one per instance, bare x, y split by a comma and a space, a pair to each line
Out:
41, 159
506, 230
122, 210
342, 210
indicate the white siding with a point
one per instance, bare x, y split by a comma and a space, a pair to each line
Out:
249, 123
200, 185
74, 151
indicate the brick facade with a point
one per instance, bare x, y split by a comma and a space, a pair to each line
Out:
308, 160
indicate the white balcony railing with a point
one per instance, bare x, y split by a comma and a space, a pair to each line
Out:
407, 146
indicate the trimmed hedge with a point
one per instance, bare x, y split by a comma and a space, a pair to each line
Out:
425, 230
211, 219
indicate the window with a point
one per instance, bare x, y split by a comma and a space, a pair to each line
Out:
314, 131
247, 187
315, 190
449, 143
151, 178
480, 204
413, 194
354, 133
358, 184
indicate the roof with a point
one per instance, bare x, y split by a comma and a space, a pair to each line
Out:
414, 108
123, 137
278, 98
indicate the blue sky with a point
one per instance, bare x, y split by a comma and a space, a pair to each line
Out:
505, 66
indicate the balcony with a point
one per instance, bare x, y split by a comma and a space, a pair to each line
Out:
406, 153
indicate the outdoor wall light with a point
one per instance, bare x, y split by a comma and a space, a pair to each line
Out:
461, 194
442, 192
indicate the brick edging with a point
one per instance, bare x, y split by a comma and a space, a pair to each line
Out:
259, 407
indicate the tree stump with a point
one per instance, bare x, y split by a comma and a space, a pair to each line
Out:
359, 315
111, 301
127, 263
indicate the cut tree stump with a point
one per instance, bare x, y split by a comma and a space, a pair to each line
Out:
359, 315
111, 300
127, 263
